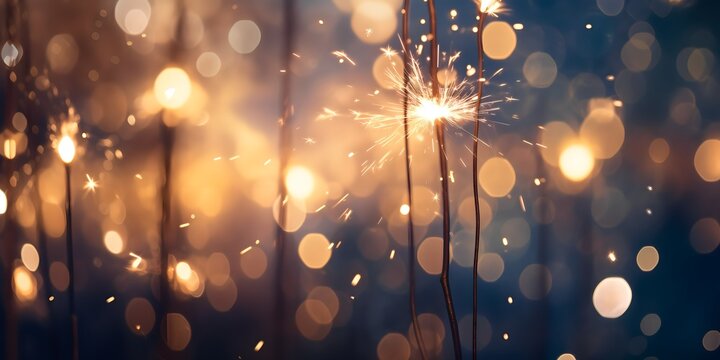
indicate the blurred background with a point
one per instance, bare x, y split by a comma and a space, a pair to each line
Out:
599, 179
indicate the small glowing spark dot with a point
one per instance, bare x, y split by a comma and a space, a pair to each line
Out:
505, 241
259, 345
648, 211
184, 225
510, 300
611, 256
506, 336
536, 182
577, 162
51, 298
454, 27
404, 209
90, 184
245, 250
138, 176
518, 26
588, 26
650, 188
66, 149
392, 254
110, 299
320, 22
453, 13
356, 280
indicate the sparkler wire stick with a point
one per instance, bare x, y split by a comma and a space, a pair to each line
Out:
411, 230
167, 133
440, 132
285, 145
476, 195
74, 341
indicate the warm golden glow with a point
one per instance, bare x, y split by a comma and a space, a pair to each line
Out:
490, 7
647, 258
172, 88
299, 182
66, 149
576, 162
499, 40
429, 110
183, 270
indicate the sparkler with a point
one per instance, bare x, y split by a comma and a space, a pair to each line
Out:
408, 176
285, 146
66, 151
484, 7
439, 114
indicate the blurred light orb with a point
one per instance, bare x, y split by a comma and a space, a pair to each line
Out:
705, 235
393, 346
314, 250
373, 22
540, 70
650, 324
254, 263
499, 40
24, 284
139, 316
183, 271
576, 162
132, 16
429, 255
62, 53
611, 7
178, 331
647, 258
490, 267
30, 257
659, 150
707, 160
299, 182
208, 64
711, 340
404, 209
612, 297
66, 149
244, 36
603, 131
172, 88
566, 356
497, 177
11, 53
3, 202
535, 281
386, 68
113, 242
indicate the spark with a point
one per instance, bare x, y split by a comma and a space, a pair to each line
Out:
51, 298
356, 280
510, 300
309, 140
454, 106
345, 216
342, 56
327, 114
341, 200
490, 7
522, 203
110, 299
90, 184
506, 336
135, 264
611, 256
184, 225
388, 51
392, 254
245, 250
138, 176
259, 345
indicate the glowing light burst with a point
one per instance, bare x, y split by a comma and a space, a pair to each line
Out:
490, 7
90, 184
455, 106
